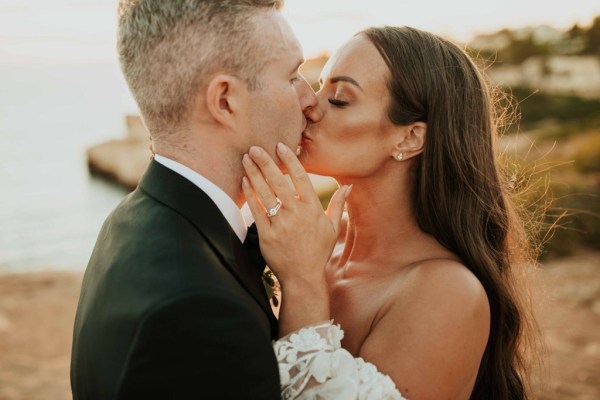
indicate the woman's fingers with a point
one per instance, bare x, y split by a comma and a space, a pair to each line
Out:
259, 184
271, 176
260, 218
297, 173
335, 209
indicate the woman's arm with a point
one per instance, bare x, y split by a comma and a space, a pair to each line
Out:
296, 242
313, 365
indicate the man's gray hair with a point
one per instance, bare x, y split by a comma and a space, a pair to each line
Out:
167, 48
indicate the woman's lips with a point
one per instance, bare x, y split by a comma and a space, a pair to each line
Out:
303, 141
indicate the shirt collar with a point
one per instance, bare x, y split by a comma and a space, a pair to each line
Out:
236, 218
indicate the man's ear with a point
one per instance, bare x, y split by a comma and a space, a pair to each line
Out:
223, 97
412, 142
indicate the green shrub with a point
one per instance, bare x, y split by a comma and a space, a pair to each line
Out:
535, 108
587, 156
560, 194
573, 220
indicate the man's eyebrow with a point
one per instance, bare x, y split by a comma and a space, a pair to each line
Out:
336, 79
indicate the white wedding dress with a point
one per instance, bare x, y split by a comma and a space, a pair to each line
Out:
313, 365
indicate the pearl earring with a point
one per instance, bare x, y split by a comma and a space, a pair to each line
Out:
400, 156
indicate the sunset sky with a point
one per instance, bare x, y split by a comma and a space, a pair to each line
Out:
324, 24
63, 31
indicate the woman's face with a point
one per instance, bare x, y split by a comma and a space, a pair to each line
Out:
351, 135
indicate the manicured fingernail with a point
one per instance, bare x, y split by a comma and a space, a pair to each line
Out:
247, 160
282, 148
255, 151
348, 191
245, 182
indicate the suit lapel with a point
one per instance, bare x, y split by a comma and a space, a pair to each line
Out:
181, 195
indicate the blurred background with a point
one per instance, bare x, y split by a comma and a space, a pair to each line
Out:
65, 112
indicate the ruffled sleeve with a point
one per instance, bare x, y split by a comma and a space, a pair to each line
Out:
313, 365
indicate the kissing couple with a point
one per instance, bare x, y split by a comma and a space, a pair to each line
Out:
415, 292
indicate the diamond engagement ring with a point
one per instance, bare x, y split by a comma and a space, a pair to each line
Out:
273, 211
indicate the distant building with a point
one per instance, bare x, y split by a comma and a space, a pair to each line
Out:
576, 75
540, 35
492, 42
563, 72
506, 75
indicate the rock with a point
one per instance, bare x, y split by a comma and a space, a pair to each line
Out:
122, 160
136, 130
125, 160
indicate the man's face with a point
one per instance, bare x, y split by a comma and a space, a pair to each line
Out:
275, 109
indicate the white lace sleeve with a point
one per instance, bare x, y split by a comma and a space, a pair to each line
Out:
313, 365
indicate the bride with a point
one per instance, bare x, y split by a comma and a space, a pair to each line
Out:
423, 274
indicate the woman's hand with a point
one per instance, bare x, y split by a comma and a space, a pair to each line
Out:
298, 239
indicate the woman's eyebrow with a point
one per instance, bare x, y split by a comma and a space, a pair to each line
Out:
336, 79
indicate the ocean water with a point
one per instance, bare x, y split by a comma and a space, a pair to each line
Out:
51, 209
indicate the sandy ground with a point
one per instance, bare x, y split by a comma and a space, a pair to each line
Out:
36, 317
568, 293
36, 322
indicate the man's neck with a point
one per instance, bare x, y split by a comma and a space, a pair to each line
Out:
224, 170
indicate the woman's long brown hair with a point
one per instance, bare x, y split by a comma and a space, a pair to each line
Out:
459, 194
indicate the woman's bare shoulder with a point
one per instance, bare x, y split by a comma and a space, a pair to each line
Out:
445, 276
436, 321
444, 284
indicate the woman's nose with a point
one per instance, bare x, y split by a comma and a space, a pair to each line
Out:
308, 98
316, 112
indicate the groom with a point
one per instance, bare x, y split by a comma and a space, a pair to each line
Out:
172, 304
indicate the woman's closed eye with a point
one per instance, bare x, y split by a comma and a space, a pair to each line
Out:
338, 103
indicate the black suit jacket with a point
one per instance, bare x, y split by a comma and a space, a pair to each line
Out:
172, 307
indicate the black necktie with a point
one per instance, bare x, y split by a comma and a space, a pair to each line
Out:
252, 247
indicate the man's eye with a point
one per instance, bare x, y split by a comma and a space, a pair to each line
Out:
338, 103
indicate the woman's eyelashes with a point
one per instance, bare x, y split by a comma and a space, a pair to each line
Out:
338, 103
335, 92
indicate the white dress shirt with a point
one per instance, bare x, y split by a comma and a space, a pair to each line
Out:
239, 220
